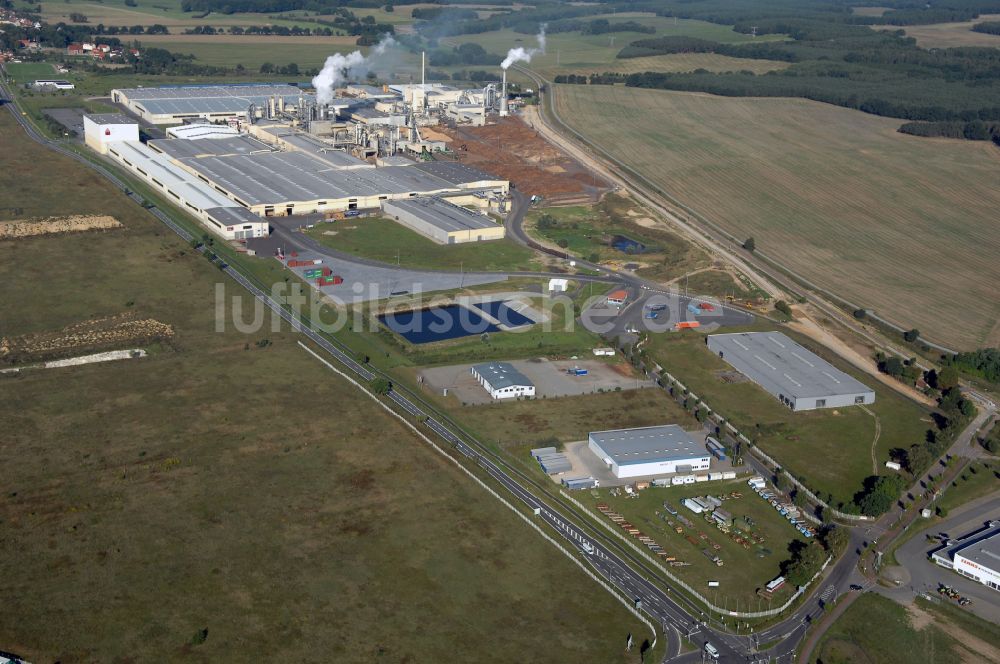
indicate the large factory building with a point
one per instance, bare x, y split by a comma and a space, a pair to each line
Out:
796, 377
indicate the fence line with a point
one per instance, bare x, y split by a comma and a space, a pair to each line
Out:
670, 575
756, 451
490, 489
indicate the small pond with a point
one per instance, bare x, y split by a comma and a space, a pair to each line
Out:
421, 326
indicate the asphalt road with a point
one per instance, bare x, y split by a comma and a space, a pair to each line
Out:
924, 575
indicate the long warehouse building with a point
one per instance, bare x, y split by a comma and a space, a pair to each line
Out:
443, 222
178, 104
797, 377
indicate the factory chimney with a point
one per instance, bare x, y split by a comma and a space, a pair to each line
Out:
503, 96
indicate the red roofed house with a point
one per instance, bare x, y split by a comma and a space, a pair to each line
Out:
617, 298
75, 49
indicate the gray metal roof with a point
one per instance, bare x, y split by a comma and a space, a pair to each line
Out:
668, 442
501, 374
782, 366
441, 214
316, 147
983, 550
210, 98
280, 177
182, 148
110, 118
456, 173
233, 216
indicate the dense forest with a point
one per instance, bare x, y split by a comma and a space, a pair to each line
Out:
988, 27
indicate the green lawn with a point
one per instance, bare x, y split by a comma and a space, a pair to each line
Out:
829, 449
190, 502
385, 240
978, 480
743, 570
587, 232
876, 629
25, 72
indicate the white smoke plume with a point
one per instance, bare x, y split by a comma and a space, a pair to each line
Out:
521, 54
340, 67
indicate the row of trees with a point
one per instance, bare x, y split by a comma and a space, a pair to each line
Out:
264, 30
977, 130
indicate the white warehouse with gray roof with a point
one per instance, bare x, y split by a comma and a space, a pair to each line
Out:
502, 380
443, 222
797, 377
648, 451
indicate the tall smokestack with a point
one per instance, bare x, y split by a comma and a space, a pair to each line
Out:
503, 96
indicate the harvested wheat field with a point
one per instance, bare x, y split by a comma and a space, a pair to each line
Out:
953, 35
903, 225
515, 151
52, 225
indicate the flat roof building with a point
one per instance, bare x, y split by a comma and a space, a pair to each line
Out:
443, 222
975, 556
797, 377
212, 209
201, 130
175, 104
502, 380
645, 451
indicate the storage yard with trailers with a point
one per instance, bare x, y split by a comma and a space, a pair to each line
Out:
741, 548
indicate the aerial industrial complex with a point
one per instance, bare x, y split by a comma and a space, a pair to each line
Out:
796, 377
243, 153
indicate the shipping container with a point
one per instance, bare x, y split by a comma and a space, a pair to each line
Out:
687, 325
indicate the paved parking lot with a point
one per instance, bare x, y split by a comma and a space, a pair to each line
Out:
549, 376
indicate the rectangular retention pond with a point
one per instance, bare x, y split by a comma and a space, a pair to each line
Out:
421, 326
503, 313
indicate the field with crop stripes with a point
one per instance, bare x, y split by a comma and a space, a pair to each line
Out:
906, 226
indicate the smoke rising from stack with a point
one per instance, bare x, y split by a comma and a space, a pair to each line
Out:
521, 54
340, 67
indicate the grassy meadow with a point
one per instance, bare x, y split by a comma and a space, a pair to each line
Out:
876, 629
229, 501
385, 240
899, 224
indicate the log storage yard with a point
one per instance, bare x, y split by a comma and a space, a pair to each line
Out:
577, 332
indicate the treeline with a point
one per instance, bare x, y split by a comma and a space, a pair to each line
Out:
984, 362
607, 78
988, 27
911, 99
598, 26
263, 30
155, 29
444, 14
976, 130
678, 44
837, 62
464, 54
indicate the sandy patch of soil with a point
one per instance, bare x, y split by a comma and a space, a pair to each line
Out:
52, 225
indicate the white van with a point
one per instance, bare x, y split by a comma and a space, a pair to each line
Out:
711, 651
